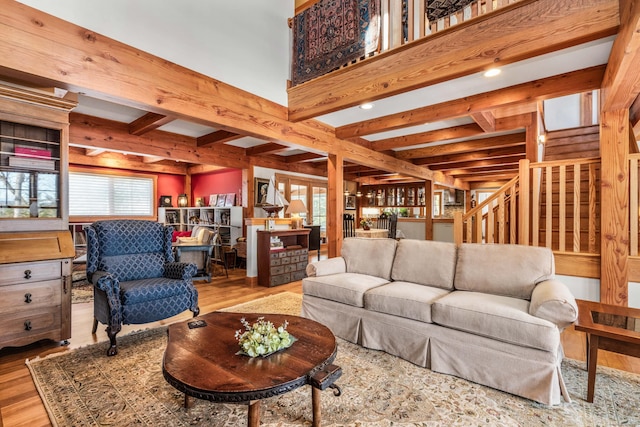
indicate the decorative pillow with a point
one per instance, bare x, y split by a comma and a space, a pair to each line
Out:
177, 234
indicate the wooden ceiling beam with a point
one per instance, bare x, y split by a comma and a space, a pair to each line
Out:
486, 120
465, 146
621, 84
519, 31
268, 148
92, 132
94, 152
559, 85
462, 131
472, 164
303, 157
217, 137
476, 155
114, 160
148, 122
488, 177
483, 171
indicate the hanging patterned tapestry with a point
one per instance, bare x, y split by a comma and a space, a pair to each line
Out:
332, 33
437, 9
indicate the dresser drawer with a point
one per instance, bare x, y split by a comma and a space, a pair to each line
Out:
29, 325
30, 295
26, 272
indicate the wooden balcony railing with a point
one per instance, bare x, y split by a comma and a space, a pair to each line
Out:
402, 22
550, 204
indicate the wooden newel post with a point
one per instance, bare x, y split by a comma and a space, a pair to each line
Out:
457, 228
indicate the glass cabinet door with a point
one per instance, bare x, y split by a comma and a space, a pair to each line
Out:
29, 171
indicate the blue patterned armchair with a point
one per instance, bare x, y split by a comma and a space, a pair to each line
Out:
131, 266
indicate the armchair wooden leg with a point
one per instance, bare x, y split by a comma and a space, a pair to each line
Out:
113, 348
196, 312
95, 326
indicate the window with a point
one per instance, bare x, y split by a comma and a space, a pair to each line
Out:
312, 192
111, 195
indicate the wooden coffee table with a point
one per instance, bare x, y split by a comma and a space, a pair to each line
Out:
202, 362
608, 327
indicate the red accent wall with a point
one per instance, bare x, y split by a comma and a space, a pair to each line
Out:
170, 185
218, 182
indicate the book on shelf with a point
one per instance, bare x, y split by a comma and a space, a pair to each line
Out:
32, 163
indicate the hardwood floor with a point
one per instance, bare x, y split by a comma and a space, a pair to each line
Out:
20, 404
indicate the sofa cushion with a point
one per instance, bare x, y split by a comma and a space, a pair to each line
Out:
347, 288
509, 270
425, 262
373, 257
403, 299
502, 318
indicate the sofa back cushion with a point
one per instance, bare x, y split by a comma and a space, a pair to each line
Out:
425, 262
508, 270
369, 256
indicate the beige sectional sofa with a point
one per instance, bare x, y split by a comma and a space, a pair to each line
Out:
491, 314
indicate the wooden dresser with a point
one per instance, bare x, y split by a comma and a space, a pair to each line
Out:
35, 287
277, 264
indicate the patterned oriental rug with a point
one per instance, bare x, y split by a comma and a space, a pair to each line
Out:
85, 388
332, 33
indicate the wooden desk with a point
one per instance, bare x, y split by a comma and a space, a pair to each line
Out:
203, 362
608, 327
204, 272
379, 233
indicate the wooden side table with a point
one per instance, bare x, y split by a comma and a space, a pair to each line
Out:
607, 327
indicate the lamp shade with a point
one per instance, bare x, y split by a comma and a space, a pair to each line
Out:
296, 207
182, 200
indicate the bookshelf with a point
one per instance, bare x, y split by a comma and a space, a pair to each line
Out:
228, 219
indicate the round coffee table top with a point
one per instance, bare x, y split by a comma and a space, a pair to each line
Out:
202, 362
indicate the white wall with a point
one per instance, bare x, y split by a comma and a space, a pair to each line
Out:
245, 43
589, 289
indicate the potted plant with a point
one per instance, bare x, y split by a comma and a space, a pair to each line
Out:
365, 223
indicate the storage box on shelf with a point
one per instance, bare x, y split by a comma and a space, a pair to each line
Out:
228, 219
282, 256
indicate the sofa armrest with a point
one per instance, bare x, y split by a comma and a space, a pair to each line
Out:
326, 267
553, 301
180, 270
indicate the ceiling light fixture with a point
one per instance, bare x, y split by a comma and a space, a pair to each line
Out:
492, 72
367, 106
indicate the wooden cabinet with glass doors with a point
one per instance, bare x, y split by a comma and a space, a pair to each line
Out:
394, 196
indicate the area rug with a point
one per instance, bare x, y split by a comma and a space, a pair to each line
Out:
332, 33
81, 289
85, 388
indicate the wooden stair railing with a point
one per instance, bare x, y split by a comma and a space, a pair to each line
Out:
551, 204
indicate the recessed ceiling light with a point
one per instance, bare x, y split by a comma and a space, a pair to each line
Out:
367, 106
492, 72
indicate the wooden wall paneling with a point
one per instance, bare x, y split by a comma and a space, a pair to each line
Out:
614, 193
594, 217
576, 207
633, 206
524, 202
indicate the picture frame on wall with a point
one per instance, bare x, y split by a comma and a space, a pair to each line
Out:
165, 202
221, 200
260, 189
213, 199
230, 200
350, 202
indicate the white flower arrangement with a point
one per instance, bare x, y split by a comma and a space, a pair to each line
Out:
263, 338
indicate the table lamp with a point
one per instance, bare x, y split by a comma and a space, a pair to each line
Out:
182, 200
295, 208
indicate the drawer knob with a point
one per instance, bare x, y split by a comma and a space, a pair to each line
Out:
27, 274
27, 297
27, 325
